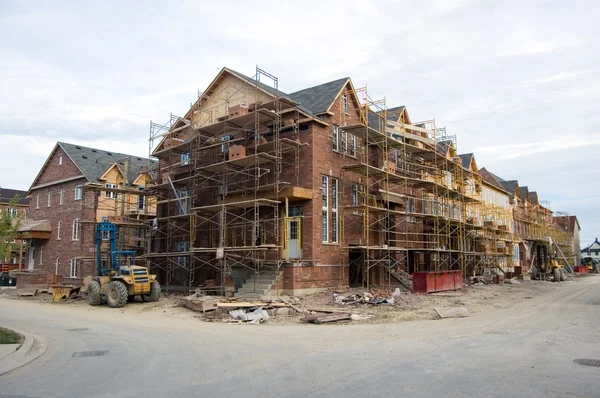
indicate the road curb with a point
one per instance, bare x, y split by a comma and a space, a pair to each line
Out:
33, 347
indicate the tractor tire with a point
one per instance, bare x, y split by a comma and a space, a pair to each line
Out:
563, 274
94, 294
154, 293
556, 274
117, 294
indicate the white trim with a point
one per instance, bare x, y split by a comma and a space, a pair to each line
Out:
335, 134
61, 197
76, 229
58, 230
73, 268
56, 182
78, 189
324, 209
111, 194
335, 220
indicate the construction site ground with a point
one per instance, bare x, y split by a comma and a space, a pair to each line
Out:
407, 306
533, 348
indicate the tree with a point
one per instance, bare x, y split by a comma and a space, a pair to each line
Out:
10, 222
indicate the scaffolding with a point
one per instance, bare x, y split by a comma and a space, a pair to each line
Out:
228, 172
407, 190
124, 202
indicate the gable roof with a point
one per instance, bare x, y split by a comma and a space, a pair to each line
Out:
270, 89
466, 159
595, 242
319, 98
524, 192
7, 194
570, 221
93, 163
533, 197
491, 179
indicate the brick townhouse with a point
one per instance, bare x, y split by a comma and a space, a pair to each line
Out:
77, 187
21, 208
323, 187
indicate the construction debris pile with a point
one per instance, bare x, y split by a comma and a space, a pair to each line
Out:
377, 298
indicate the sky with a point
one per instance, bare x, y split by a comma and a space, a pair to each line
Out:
516, 81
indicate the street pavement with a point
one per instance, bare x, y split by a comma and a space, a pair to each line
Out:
527, 350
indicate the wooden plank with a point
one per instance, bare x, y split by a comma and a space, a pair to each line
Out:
328, 310
243, 304
320, 318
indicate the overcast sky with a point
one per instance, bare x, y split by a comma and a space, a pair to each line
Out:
516, 81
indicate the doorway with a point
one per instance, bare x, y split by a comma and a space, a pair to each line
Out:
31, 262
355, 268
294, 237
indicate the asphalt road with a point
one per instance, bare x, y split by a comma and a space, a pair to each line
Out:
525, 351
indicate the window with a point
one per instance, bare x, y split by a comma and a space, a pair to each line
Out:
49, 199
141, 200
76, 228
185, 159
111, 194
60, 160
12, 212
78, 193
354, 194
295, 211
105, 235
41, 255
335, 137
345, 103
37, 201
324, 210
344, 141
352, 146
56, 265
515, 255
61, 196
334, 210
73, 272
58, 230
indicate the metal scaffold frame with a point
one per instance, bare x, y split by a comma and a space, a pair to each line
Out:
224, 182
402, 186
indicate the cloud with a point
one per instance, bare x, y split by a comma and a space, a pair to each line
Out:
517, 82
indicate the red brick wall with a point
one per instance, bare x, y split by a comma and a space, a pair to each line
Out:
36, 279
314, 277
65, 248
54, 172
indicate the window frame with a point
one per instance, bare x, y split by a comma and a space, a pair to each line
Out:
37, 202
78, 192
58, 227
73, 267
324, 209
61, 197
335, 230
49, 199
335, 134
76, 229
111, 194
345, 104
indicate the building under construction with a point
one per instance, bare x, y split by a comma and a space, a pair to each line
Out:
259, 191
